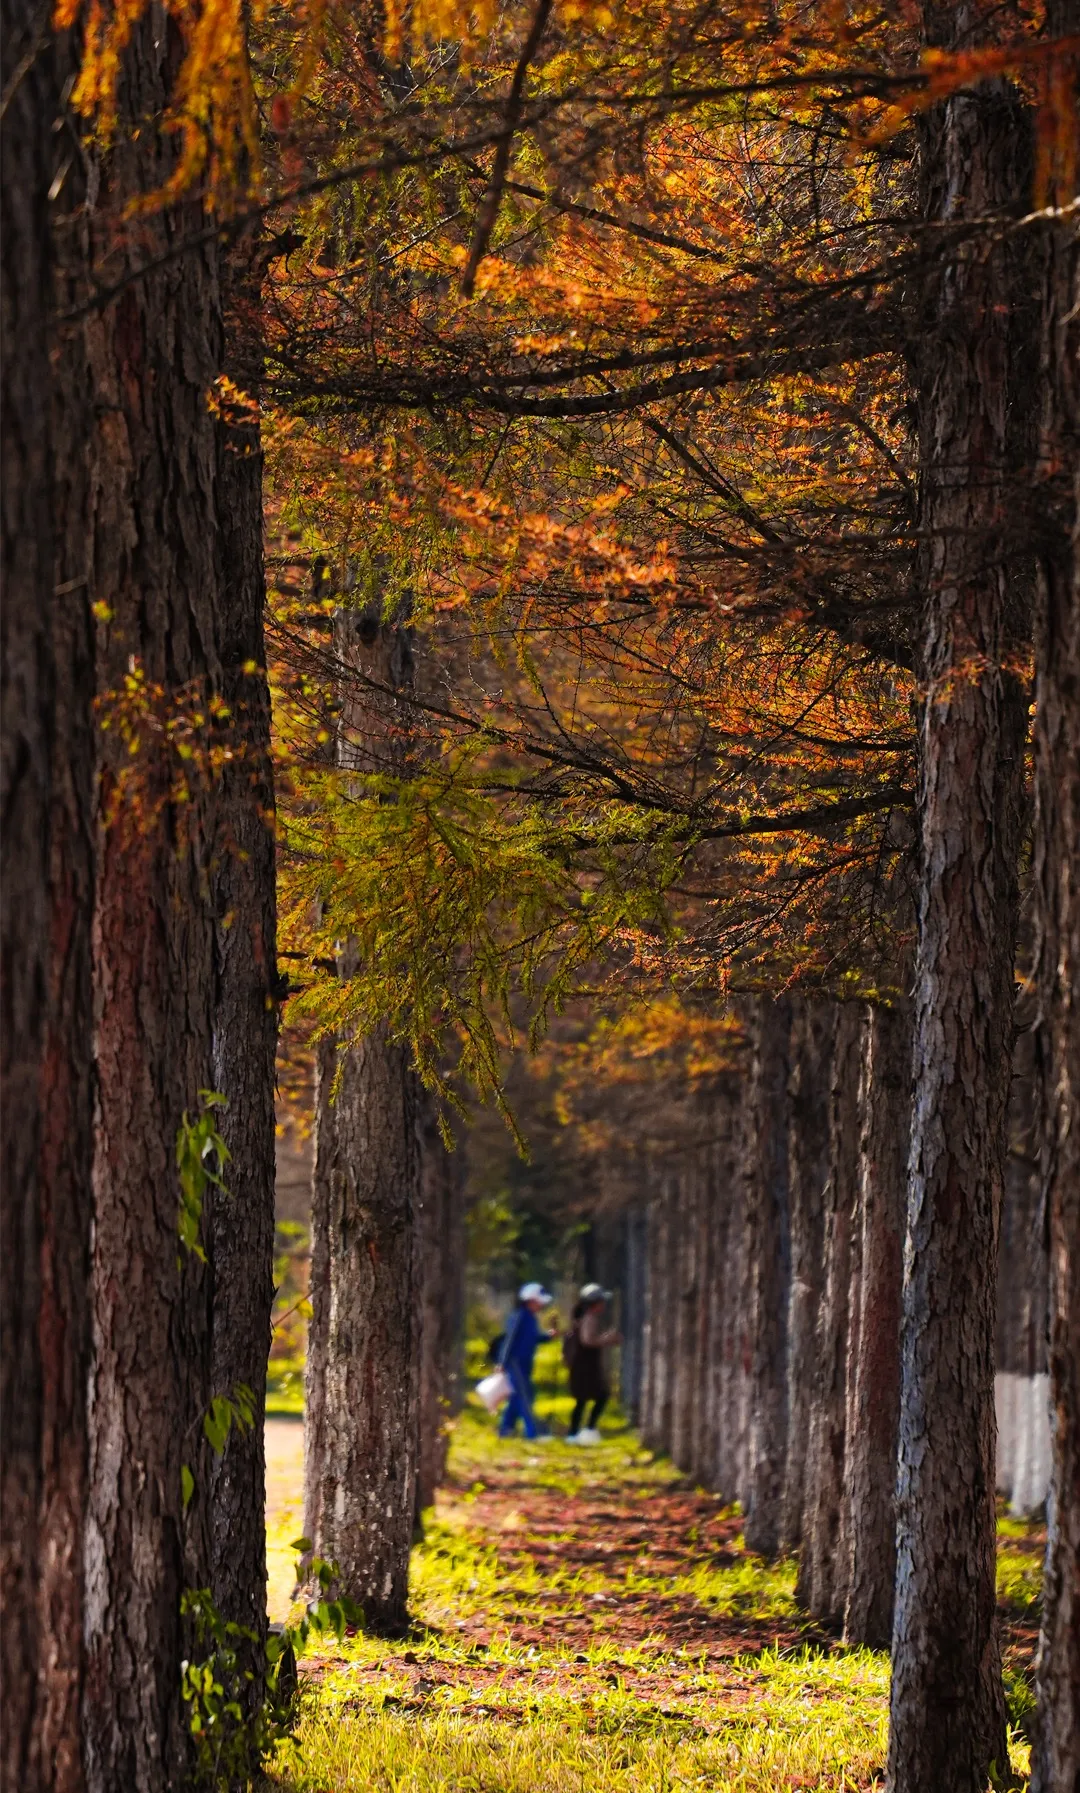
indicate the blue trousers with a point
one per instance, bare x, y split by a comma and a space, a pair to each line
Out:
520, 1404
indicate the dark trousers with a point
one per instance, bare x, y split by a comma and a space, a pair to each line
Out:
579, 1413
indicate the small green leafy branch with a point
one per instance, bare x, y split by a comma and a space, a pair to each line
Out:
229, 1741
201, 1157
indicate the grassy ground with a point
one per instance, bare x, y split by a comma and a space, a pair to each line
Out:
586, 1620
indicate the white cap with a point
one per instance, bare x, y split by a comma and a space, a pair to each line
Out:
534, 1291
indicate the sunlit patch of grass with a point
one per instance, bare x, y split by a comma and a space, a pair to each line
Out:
1019, 1581
1021, 1547
767, 1722
553, 1593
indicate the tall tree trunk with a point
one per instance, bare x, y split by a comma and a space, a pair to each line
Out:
362, 1504
822, 1583
153, 353
813, 1028
703, 1441
656, 1419
874, 1408
46, 669
1021, 1382
1056, 1757
241, 1240
718, 1466
362, 1510
771, 1277
633, 1312
442, 1269
319, 1288
736, 1337
687, 1292
947, 1721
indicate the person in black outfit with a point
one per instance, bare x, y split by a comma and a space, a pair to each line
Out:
584, 1352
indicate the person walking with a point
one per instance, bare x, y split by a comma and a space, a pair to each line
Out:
523, 1333
583, 1351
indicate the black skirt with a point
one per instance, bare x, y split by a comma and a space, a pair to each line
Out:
587, 1379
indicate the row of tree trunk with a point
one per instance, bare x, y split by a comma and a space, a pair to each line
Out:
776, 1315
766, 1334
770, 1344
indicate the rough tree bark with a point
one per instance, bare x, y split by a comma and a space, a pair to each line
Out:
736, 1339
703, 1438
635, 1271
154, 572
821, 1587
241, 1231
1056, 1756
318, 1288
771, 1244
874, 1407
813, 1027
361, 1503
656, 1414
947, 1717
442, 1254
46, 669
687, 1199
1021, 1381
1023, 1283
362, 1511
725, 1210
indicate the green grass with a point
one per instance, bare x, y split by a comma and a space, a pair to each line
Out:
538, 1665
772, 1723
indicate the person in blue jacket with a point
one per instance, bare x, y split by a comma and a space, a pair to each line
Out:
523, 1333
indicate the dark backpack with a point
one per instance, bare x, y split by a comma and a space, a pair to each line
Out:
571, 1345
494, 1350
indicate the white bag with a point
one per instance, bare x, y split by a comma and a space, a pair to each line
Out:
495, 1389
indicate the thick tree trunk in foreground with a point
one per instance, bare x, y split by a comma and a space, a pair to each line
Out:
813, 1028
874, 1406
822, 1584
154, 569
245, 1024
1056, 1757
442, 1270
947, 1706
771, 1243
361, 1511
46, 667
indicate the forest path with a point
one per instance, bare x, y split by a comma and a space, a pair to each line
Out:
583, 1617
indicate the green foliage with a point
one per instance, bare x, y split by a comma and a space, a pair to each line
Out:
227, 1739
454, 903
226, 1411
231, 1732
201, 1156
